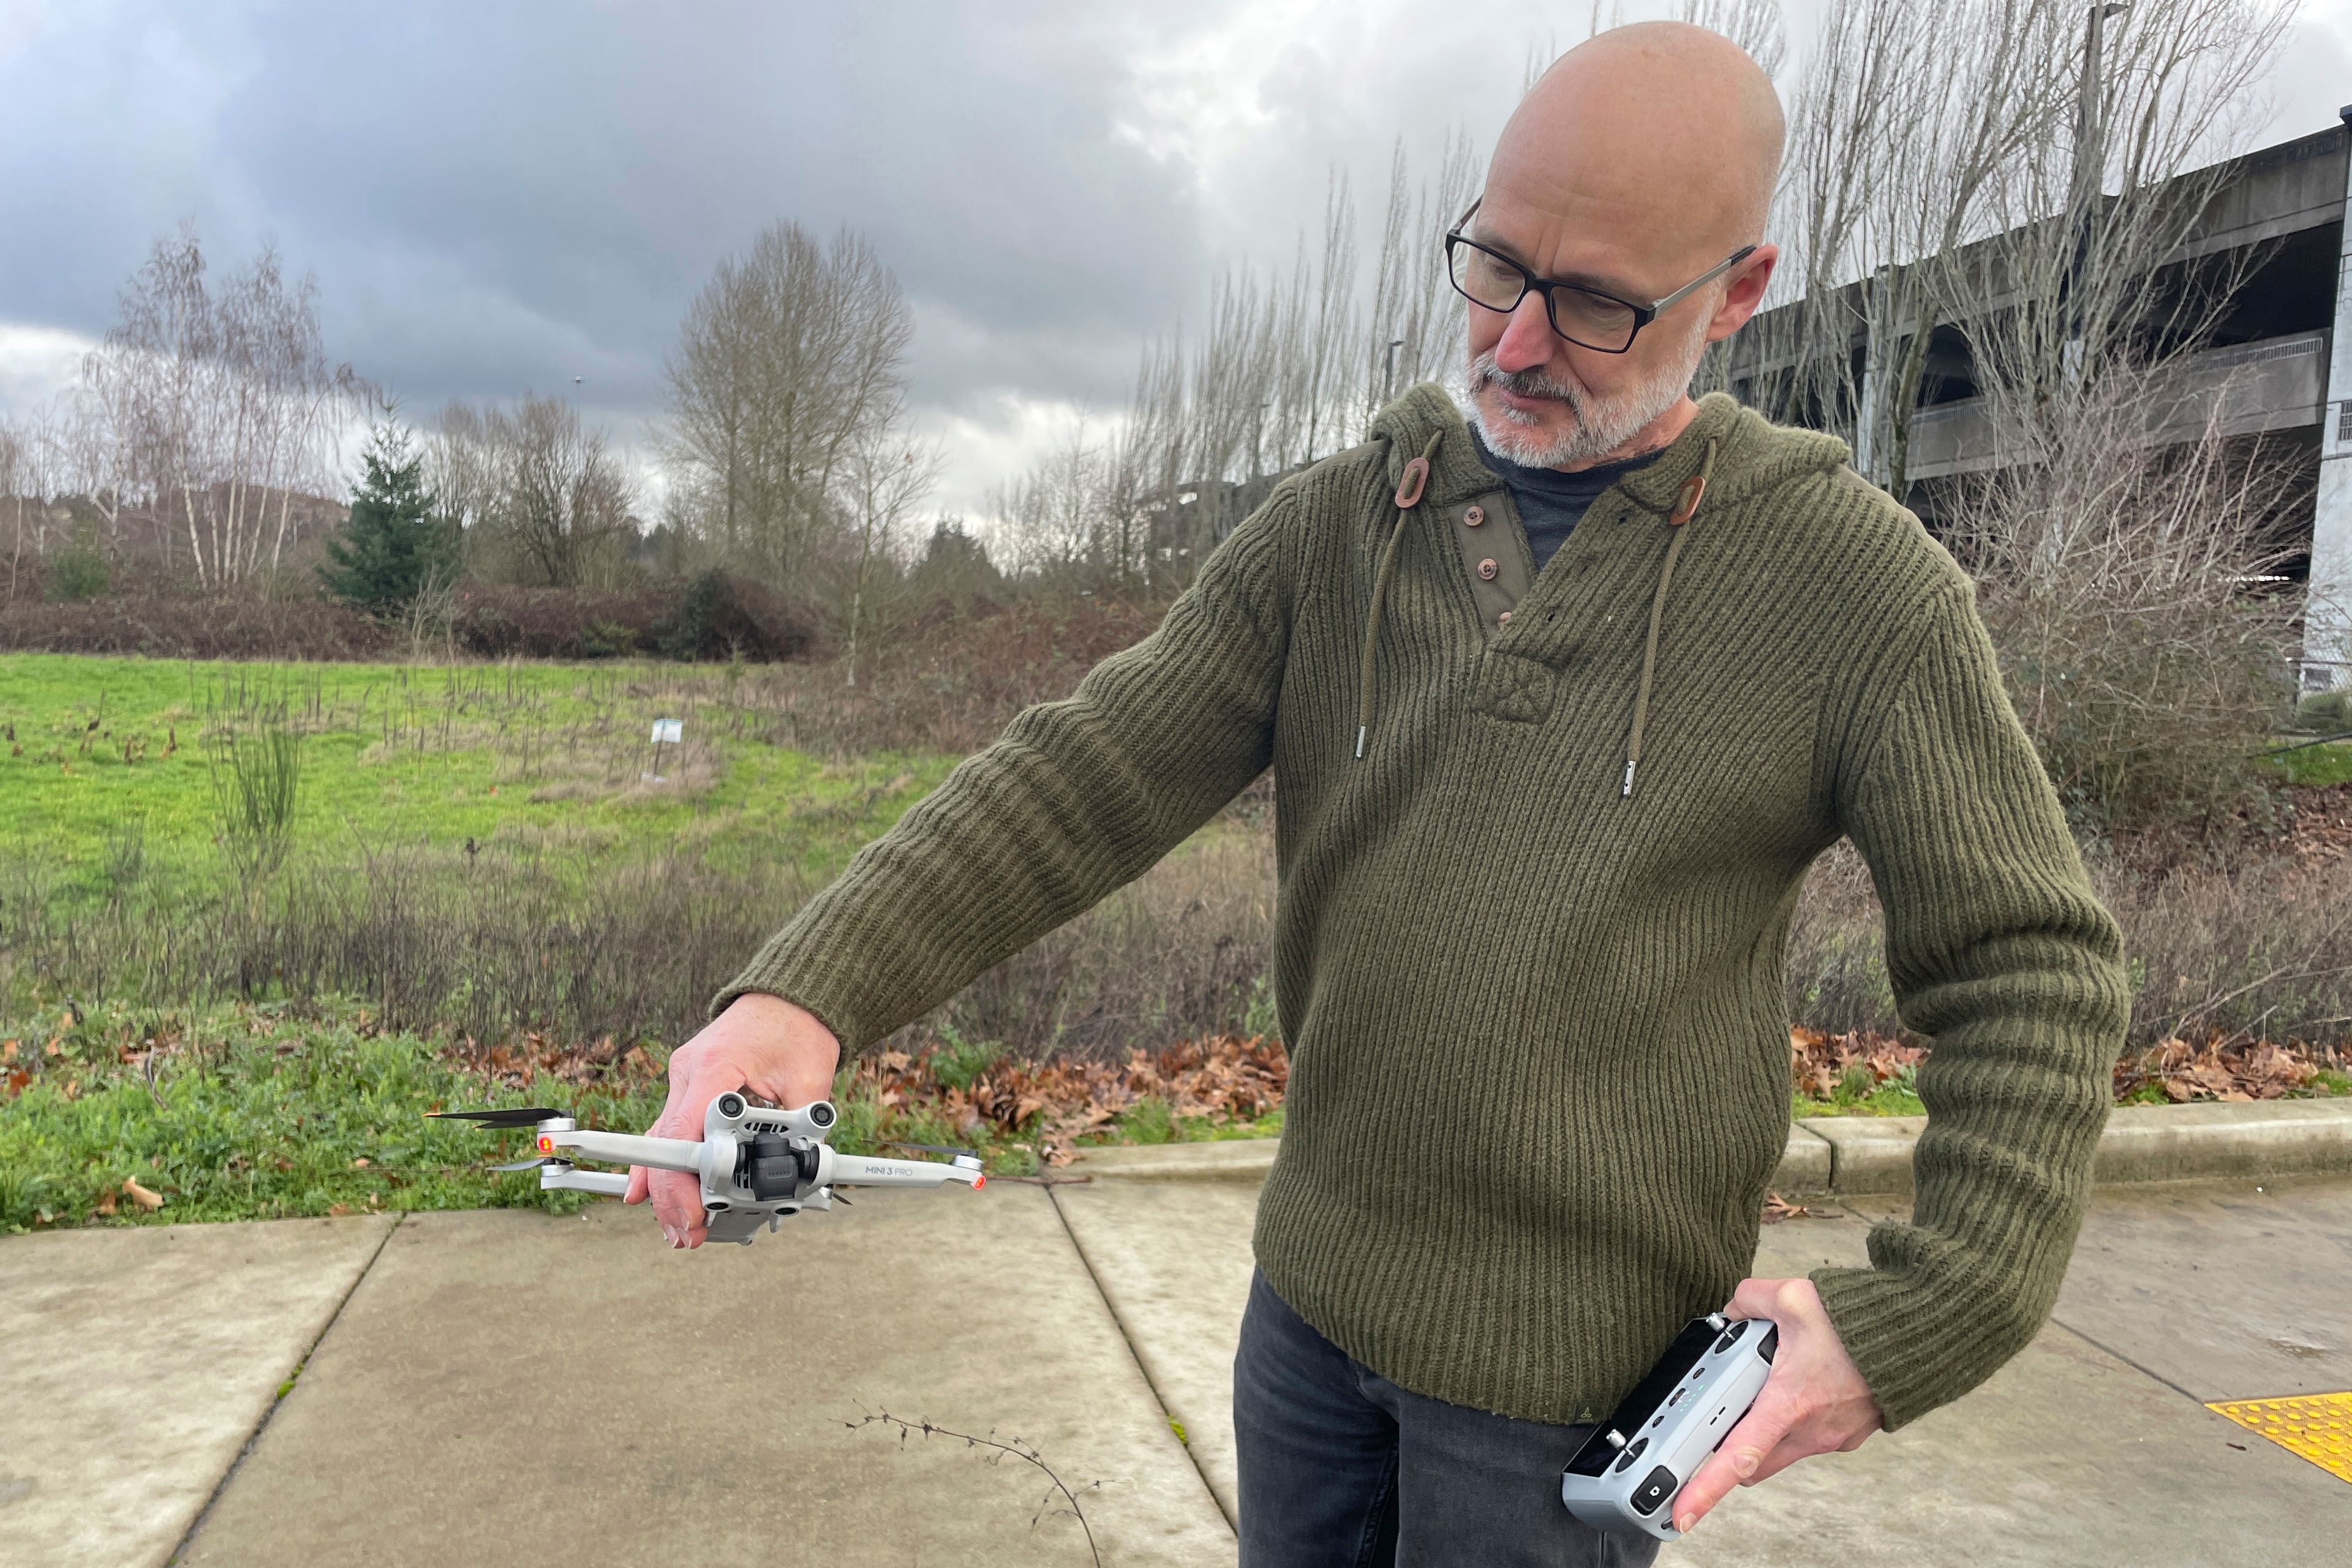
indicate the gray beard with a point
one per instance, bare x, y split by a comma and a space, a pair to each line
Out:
1603, 425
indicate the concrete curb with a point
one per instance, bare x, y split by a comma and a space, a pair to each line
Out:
1872, 1153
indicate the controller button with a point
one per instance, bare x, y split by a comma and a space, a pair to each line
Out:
1731, 1336
1655, 1489
1625, 1460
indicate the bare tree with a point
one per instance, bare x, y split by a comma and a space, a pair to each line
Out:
12, 493
1286, 368
888, 479
224, 404
790, 355
2115, 572
541, 497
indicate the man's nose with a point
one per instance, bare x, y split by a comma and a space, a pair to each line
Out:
1528, 340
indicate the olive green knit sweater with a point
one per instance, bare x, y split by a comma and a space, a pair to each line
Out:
1539, 1071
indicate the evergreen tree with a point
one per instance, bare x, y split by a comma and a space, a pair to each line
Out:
396, 544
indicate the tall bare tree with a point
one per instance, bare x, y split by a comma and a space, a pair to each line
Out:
791, 354
224, 402
542, 498
888, 479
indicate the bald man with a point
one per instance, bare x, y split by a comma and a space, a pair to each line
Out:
1562, 699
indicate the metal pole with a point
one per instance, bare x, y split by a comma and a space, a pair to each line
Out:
2328, 598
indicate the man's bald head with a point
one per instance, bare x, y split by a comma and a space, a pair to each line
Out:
1664, 125
1640, 168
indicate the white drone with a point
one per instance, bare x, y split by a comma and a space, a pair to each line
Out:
757, 1165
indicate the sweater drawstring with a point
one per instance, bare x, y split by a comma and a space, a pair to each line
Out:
1410, 485
1687, 508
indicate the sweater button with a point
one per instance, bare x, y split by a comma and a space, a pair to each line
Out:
1473, 517
1504, 619
1487, 568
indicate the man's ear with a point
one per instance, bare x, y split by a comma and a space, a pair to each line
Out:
1743, 293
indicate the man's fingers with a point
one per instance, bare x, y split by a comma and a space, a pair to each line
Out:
639, 1188
1756, 1299
1740, 1459
677, 1204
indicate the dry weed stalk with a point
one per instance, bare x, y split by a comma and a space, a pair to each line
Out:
999, 1450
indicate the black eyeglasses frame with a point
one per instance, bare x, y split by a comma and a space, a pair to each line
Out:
1643, 314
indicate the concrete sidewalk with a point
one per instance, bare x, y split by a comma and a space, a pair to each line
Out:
486, 1384
136, 1364
2092, 1447
505, 1384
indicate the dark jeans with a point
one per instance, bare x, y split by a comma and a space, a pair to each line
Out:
1341, 1469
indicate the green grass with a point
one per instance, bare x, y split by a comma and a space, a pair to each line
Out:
104, 760
253, 1114
2318, 765
1855, 1095
269, 1112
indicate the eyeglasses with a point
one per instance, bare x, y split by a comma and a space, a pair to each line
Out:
1585, 317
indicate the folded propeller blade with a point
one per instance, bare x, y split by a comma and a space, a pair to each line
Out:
521, 1115
530, 1165
928, 1148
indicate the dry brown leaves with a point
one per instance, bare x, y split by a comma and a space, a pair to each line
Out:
1777, 1208
514, 1063
1224, 1078
2323, 825
2226, 1067
1817, 1063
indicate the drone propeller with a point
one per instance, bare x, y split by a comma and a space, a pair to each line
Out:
521, 1115
928, 1148
531, 1164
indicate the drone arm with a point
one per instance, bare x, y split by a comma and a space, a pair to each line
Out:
628, 1149
604, 1184
866, 1171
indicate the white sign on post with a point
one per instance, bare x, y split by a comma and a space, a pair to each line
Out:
666, 732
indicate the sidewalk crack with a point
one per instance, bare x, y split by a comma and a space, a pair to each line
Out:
1158, 1397
221, 1486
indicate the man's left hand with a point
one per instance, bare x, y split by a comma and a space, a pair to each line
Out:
1814, 1402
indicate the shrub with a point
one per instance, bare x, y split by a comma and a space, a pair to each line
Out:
493, 621
2115, 578
79, 572
724, 617
2325, 712
168, 625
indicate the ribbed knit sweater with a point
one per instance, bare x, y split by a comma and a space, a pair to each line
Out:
1540, 1069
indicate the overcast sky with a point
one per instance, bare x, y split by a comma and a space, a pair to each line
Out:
498, 197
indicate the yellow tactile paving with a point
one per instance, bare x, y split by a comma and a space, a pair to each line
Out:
2314, 1426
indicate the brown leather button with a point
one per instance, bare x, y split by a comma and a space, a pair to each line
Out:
1487, 568
1473, 517
1504, 619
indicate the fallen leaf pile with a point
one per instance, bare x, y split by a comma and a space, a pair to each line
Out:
2226, 1067
514, 1063
1819, 1063
2323, 825
1224, 1078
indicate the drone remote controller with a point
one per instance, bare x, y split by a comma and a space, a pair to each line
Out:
756, 1165
1628, 1472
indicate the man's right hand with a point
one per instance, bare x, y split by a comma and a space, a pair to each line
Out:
760, 1043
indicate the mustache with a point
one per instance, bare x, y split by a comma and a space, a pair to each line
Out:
1530, 382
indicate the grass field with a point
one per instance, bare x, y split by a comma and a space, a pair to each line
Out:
484, 896
109, 765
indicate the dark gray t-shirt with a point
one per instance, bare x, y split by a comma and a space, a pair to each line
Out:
1549, 501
